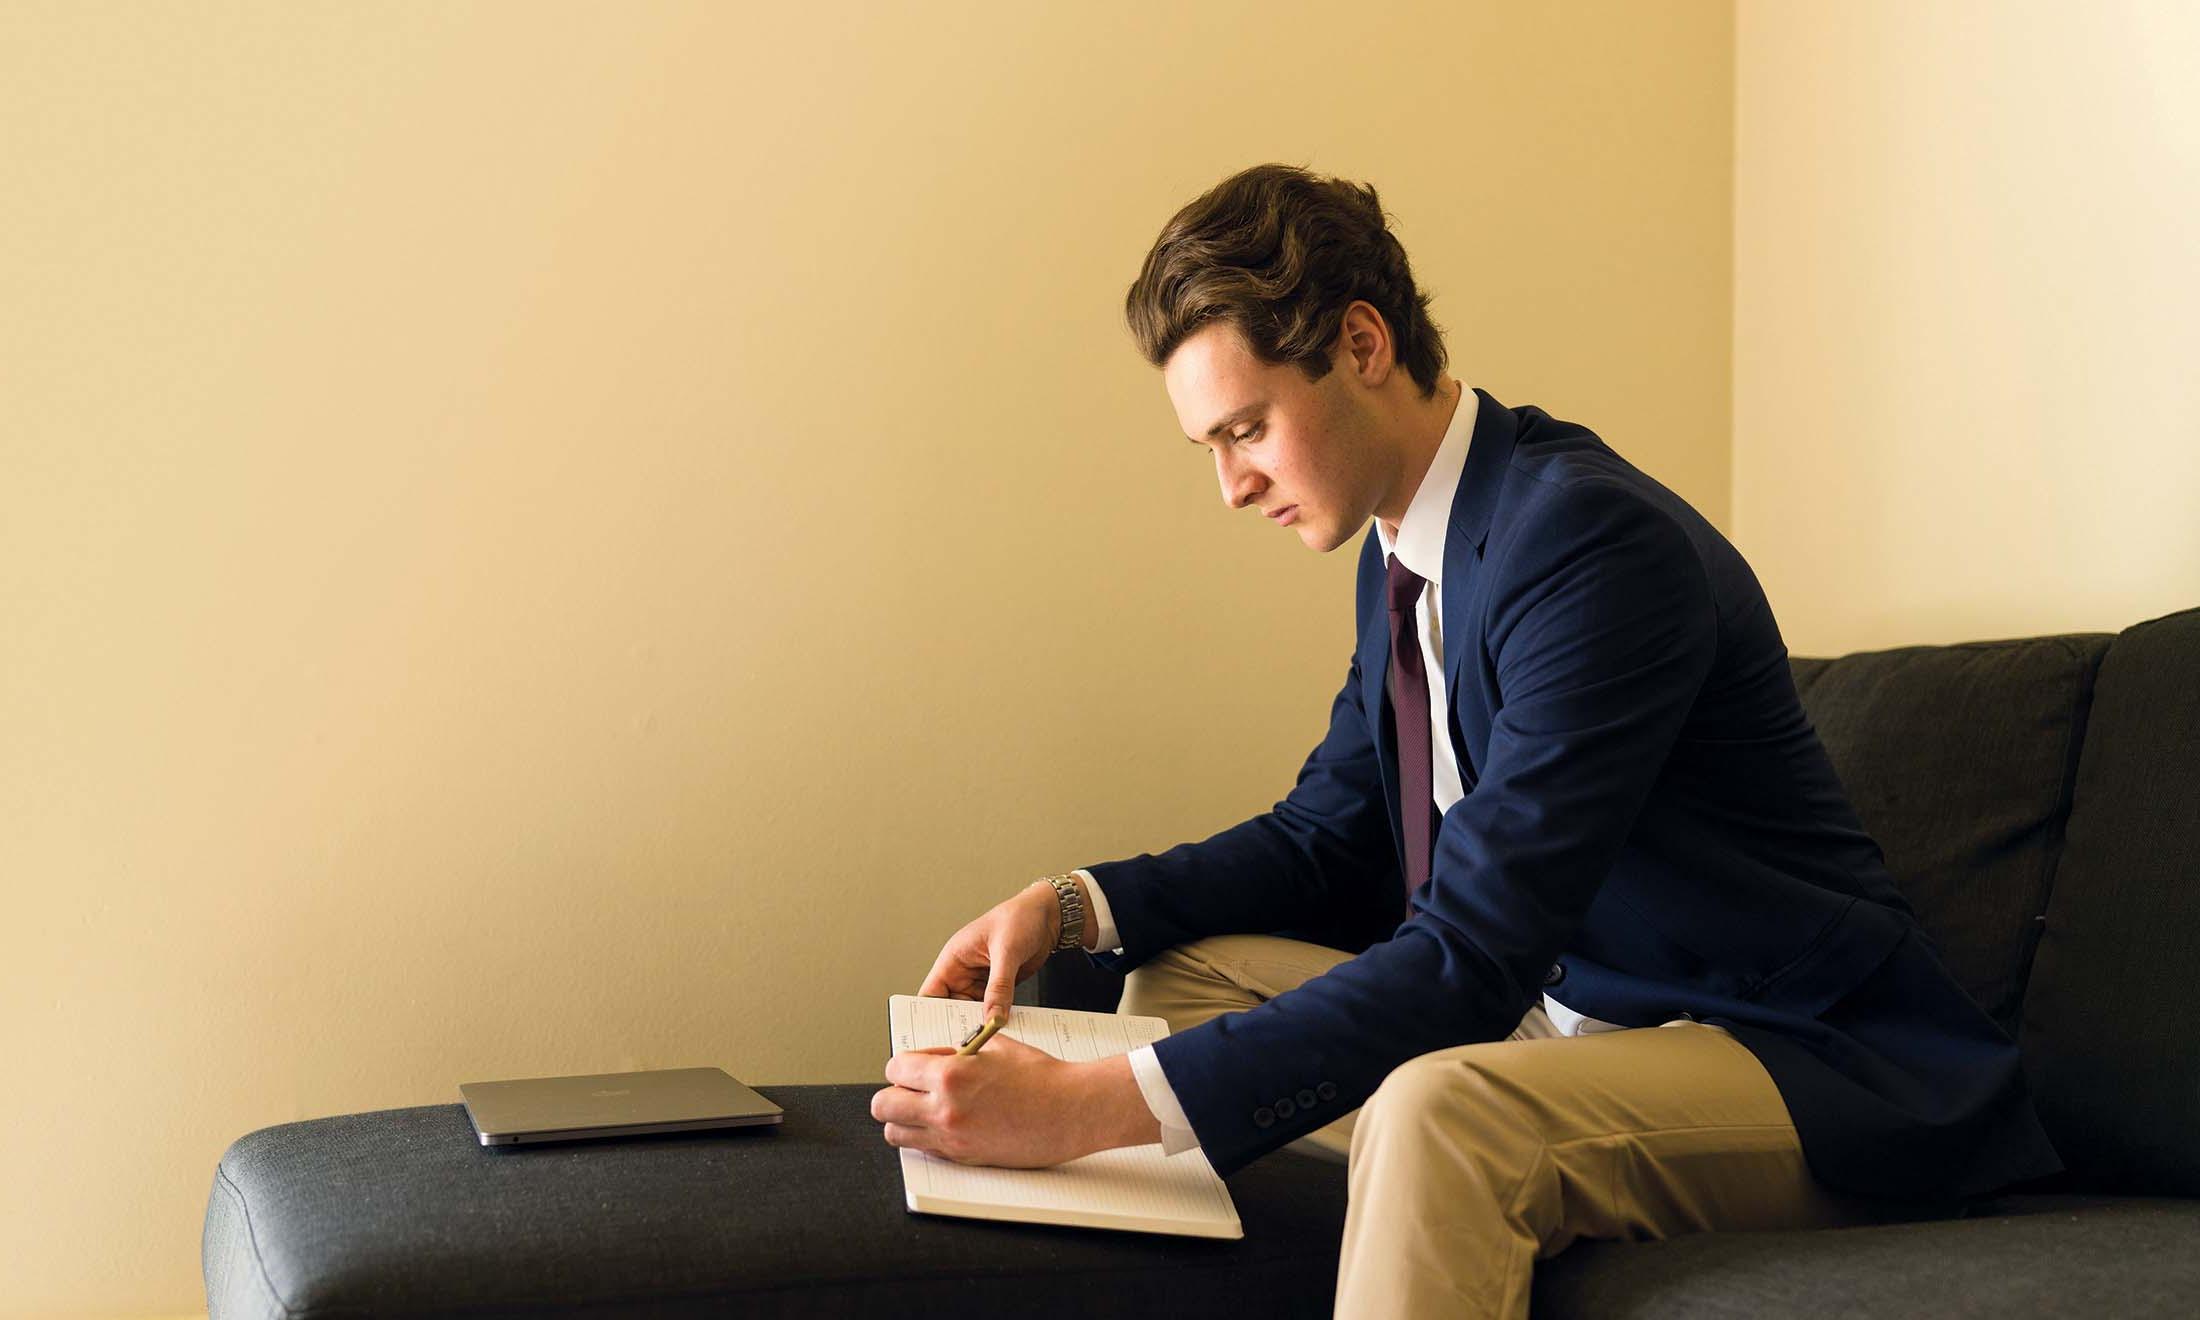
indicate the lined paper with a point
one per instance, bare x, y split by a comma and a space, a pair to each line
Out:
1134, 1188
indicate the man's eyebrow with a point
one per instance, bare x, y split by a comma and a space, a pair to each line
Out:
1235, 414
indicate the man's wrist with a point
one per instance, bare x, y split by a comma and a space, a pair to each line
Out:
1052, 909
1121, 1116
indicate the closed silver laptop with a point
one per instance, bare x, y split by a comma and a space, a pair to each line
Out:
612, 1105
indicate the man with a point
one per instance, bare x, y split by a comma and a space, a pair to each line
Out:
1567, 928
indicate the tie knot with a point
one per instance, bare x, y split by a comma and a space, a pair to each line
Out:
1405, 586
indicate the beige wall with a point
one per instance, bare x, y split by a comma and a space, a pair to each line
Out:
1966, 317
561, 538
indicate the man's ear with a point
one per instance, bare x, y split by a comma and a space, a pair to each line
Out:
1363, 343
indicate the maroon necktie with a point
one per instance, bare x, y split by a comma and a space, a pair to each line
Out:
1409, 703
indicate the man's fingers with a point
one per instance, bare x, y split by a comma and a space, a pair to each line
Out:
952, 977
899, 1134
914, 1068
941, 981
896, 1105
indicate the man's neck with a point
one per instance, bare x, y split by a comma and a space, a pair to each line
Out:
1432, 422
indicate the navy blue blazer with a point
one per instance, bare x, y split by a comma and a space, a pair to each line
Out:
1651, 828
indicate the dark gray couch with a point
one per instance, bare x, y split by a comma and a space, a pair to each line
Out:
2039, 800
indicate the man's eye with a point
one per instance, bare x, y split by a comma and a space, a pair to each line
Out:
1247, 434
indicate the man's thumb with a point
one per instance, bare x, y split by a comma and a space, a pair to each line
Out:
1000, 992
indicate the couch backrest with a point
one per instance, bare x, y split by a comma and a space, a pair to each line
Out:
1960, 761
2111, 1037
2038, 801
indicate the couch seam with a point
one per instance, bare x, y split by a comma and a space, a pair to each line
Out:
2066, 801
252, 1237
735, 1292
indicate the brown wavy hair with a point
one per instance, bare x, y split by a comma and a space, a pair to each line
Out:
1280, 253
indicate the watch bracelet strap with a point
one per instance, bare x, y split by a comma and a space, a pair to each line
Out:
1073, 911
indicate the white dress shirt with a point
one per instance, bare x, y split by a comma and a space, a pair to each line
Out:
1420, 546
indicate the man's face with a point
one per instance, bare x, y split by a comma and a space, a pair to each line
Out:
1297, 450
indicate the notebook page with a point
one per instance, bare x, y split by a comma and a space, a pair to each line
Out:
1130, 1187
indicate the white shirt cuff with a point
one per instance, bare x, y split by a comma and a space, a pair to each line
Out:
1103, 922
1176, 1129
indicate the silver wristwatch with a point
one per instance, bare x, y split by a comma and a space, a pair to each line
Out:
1073, 911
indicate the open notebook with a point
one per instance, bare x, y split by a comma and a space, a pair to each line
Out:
1131, 1187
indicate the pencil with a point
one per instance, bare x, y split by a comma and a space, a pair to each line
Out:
985, 1032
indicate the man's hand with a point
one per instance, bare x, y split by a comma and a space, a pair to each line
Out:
988, 957
1011, 1105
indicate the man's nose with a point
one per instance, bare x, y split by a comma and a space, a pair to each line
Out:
1239, 482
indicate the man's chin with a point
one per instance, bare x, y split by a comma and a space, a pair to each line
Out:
1325, 539
1316, 539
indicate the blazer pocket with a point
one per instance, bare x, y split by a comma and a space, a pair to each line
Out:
1851, 947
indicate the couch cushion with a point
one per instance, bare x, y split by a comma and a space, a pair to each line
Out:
2109, 1036
2038, 1257
401, 1212
1959, 761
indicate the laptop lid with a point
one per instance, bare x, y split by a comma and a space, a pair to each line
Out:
612, 1105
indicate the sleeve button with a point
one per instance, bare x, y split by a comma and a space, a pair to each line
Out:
1264, 1117
1284, 1108
1327, 1090
1306, 1099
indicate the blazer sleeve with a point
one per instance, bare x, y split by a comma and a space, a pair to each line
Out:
1601, 628
1300, 863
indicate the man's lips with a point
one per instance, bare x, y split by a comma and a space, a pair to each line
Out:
1283, 515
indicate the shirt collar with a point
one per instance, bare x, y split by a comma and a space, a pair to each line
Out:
1420, 543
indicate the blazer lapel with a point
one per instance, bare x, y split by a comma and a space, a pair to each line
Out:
1375, 680
1489, 455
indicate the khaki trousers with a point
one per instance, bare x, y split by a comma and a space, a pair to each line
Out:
1470, 1164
